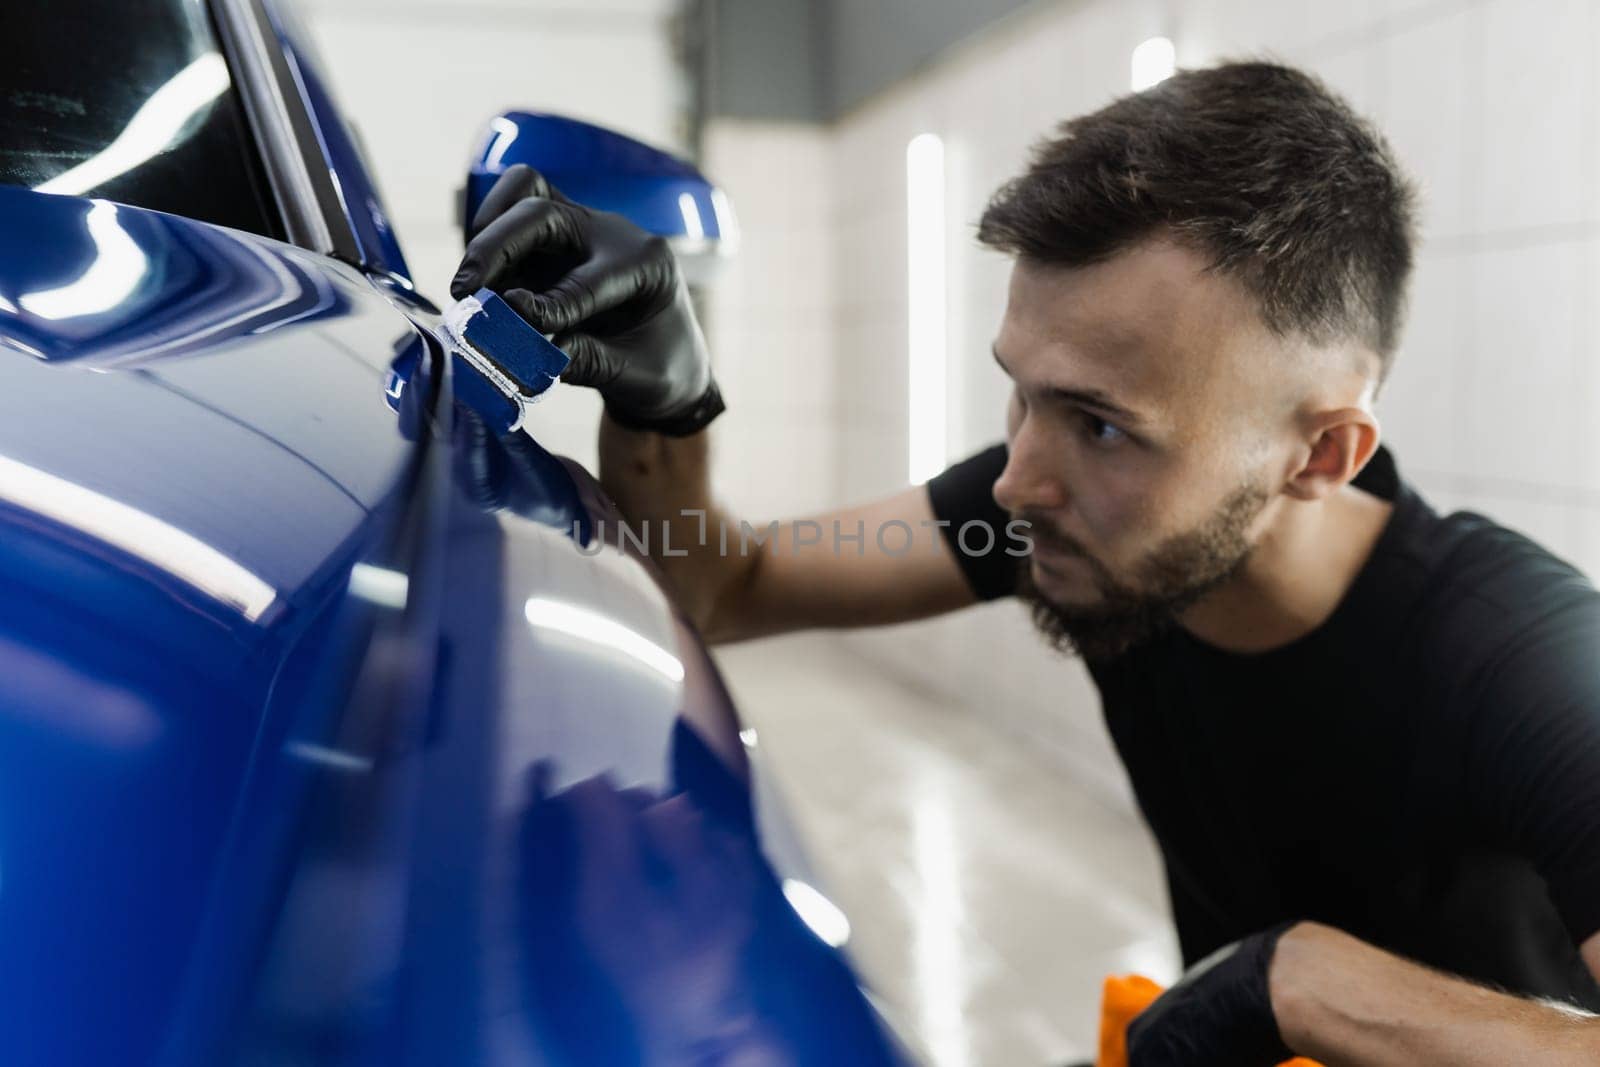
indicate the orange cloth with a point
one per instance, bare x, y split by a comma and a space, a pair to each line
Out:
1123, 998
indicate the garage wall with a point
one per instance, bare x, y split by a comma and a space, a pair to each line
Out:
772, 320
420, 78
1492, 404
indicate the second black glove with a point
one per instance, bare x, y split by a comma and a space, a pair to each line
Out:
1219, 1014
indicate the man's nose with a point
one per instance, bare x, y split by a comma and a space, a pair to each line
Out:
1029, 481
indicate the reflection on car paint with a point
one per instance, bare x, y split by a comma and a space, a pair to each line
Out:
612, 877
106, 285
142, 536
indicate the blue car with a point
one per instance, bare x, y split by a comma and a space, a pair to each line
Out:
335, 724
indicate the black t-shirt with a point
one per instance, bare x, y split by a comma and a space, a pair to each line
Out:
1422, 770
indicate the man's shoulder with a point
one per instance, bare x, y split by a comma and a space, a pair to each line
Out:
1488, 589
1462, 557
1482, 561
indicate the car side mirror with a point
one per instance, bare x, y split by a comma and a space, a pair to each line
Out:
607, 171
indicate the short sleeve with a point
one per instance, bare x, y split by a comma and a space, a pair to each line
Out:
974, 526
1533, 759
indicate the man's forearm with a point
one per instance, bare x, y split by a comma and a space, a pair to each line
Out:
1342, 1001
654, 480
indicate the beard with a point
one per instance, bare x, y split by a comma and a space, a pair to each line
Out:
1172, 577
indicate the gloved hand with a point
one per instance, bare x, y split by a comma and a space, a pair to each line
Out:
1219, 1014
609, 293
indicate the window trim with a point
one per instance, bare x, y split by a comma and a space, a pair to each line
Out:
285, 135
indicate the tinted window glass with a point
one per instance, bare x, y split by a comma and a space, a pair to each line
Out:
131, 102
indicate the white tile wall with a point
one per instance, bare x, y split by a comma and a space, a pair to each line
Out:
1210, 29
1490, 104
1429, 382
1432, 112
1522, 421
770, 321
1537, 66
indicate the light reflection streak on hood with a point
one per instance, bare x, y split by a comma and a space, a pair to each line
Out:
140, 535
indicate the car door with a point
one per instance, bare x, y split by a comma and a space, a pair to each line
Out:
210, 493
333, 726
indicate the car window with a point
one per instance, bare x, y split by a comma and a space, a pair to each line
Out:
133, 103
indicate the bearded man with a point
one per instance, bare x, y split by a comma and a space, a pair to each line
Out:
1365, 735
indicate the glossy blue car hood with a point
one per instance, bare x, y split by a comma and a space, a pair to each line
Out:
194, 449
333, 726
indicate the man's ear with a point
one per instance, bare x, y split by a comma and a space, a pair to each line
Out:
1341, 443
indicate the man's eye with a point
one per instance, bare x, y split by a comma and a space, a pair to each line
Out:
1103, 432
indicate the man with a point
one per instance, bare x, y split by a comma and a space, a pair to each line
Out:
1361, 732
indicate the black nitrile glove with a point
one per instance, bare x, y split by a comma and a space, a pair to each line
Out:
1219, 1014
608, 292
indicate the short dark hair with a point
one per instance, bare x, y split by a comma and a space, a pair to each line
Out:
1258, 166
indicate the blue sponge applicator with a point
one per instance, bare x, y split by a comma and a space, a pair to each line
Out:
512, 363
